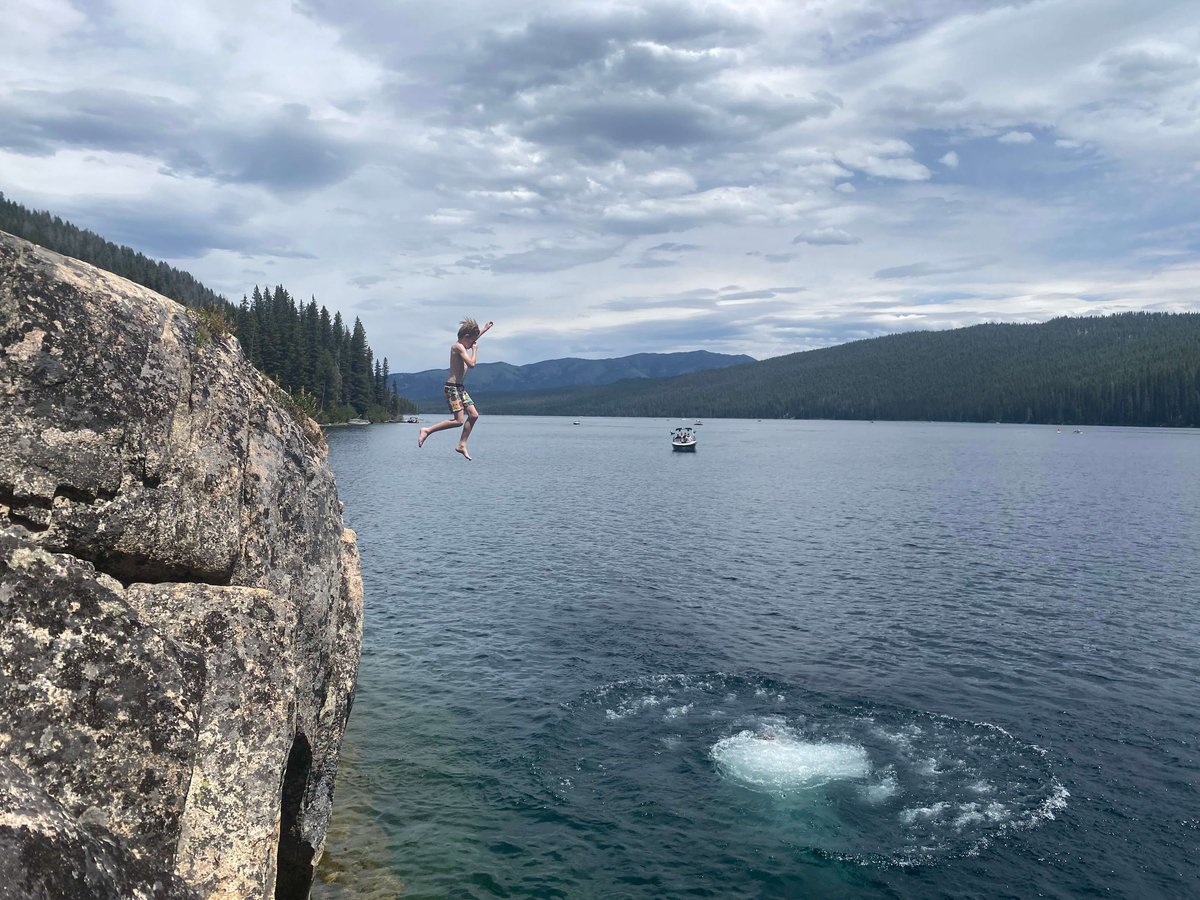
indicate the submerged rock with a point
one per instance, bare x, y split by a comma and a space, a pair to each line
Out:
180, 604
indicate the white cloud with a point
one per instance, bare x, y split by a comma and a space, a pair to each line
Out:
453, 217
38, 26
727, 205
669, 181
533, 163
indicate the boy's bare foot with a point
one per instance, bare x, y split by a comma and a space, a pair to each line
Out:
463, 450
421, 437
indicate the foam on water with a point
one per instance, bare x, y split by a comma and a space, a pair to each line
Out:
860, 782
676, 711
778, 763
884, 788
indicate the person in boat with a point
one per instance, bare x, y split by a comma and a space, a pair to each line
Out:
463, 356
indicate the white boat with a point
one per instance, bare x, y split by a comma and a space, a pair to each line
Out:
359, 422
683, 440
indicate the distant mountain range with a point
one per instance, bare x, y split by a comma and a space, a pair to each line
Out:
1126, 369
554, 375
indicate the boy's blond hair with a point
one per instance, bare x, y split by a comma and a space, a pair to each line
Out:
468, 327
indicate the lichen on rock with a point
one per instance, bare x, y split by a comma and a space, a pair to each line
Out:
180, 603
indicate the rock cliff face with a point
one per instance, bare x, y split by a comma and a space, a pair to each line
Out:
180, 605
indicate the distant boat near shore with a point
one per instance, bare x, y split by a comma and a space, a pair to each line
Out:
359, 422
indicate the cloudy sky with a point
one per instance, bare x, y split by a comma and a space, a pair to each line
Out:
604, 178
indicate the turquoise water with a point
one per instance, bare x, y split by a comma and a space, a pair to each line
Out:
812, 659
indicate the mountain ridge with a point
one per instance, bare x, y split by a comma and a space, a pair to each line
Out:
1138, 368
425, 387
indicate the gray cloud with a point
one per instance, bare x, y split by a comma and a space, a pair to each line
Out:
775, 258
664, 69
541, 259
651, 263
549, 48
40, 122
601, 125
1152, 66
948, 267
661, 256
286, 151
708, 300
749, 295
825, 236
169, 229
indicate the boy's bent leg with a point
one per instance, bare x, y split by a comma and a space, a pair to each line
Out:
456, 398
440, 426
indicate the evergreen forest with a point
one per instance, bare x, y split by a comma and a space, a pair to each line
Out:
326, 367
1123, 369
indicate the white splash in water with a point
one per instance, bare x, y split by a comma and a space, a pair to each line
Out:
674, 712
926, 813
632, 707
973, 813
778, 763
882, 789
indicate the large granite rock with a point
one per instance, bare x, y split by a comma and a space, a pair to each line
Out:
180, 605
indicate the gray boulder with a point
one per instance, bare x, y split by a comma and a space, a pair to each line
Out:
180, 604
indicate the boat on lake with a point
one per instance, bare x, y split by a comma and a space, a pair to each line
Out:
684, 440
359, 422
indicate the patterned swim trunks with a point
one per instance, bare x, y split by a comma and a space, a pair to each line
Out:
457, 397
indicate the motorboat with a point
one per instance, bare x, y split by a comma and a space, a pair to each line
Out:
684, 440
359, 422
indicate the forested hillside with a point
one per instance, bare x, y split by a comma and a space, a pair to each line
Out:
328, 368
1128, 369
556, 374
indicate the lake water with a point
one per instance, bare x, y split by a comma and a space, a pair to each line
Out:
813, 659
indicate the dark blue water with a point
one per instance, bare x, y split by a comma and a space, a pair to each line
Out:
812, 659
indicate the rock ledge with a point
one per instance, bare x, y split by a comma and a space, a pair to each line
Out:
180, 604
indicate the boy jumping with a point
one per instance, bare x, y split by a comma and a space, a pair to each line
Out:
462, 357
